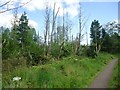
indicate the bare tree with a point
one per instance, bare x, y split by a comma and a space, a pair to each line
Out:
6, 4
82, 23
63, 28
58, 30
87, 38
53, 25
68, 27
53, 22
47, 27
63, 34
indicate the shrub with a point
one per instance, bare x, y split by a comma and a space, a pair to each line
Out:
91, 52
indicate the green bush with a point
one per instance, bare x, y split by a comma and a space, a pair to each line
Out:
90, 51
35, 55
55, 50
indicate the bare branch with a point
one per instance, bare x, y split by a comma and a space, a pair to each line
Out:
57, 12
9, 9
5, 3
84, 23
54, 19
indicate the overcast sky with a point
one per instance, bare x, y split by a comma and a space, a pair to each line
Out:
102, 10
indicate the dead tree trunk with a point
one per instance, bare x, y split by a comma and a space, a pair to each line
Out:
80, 30
47, 28
53, 26
63, 33
82, 23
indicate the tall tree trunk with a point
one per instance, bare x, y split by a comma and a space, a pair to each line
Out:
63, 33
80, 30
47, 26
53, 26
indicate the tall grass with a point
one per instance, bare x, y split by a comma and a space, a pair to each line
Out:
69, 72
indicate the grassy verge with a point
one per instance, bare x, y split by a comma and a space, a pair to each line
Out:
114, 81
68, 72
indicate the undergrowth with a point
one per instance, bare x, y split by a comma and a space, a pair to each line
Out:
69, 72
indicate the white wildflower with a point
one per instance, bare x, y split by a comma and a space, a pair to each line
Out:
76, 59
16, 78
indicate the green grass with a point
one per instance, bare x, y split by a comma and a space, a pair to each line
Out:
68, 72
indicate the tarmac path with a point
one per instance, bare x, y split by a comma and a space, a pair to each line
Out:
102, 80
